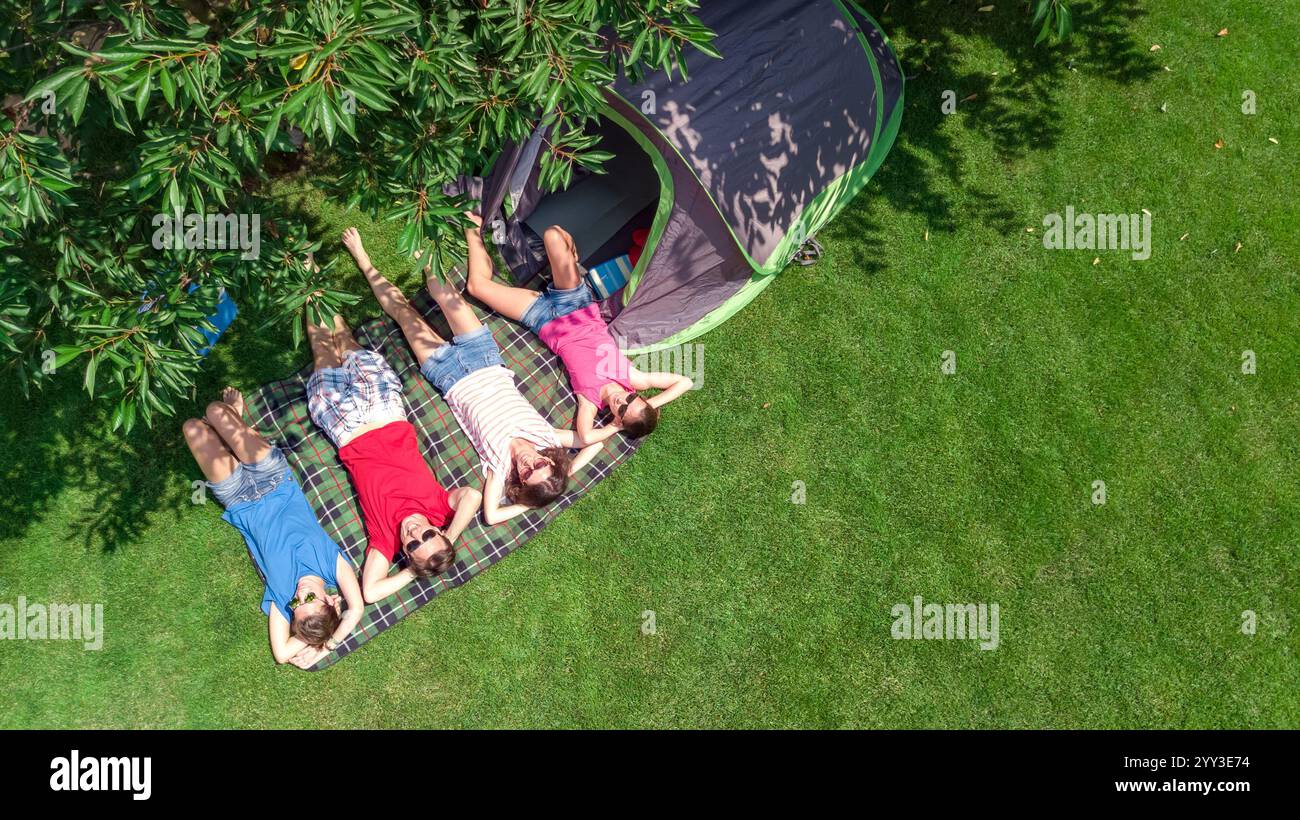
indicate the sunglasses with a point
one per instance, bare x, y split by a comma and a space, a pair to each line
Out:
627, 402
540, 464
294, 603
412, 546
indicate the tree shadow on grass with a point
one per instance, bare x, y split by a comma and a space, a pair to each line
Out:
59, 439
1018, 111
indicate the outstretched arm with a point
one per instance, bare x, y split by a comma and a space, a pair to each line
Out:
284, 646
584, 457
376, 582
493, 512
585, 425
346, 578
464, 500
672, 385
569, 438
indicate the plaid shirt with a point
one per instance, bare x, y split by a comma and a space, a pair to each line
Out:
363, 391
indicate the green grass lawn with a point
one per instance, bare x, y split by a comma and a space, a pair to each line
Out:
968, 487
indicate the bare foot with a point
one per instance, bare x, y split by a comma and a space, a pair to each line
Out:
475, 218
235, 399
352, 241
419, 252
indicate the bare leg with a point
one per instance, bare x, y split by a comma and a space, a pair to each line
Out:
344, 341
324, 352
508, 301
226, 417
460, 316
214, 457
563, 256
419, 335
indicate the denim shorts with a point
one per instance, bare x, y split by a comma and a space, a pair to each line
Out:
249, 482
552, 304
460, 357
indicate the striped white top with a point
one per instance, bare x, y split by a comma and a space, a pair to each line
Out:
492, 412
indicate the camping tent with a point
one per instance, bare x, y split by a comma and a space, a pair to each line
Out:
729, 172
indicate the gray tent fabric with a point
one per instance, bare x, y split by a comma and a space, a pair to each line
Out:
696, 264
518, 183
790, 108
514, 175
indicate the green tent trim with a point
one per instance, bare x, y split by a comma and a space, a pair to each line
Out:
662, 210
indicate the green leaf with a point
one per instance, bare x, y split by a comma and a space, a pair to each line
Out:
90, 374
142, 94
1041, 12
1064, 21
706, 47
54, 82
76, 287
407, 239
168, 86
64, 354
1044, 32
268, 136
325, 115
638, 46
77, 100
174, 201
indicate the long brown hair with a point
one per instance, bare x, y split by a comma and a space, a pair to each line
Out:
539, 495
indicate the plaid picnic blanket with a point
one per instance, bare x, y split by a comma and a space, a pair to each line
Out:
279, 411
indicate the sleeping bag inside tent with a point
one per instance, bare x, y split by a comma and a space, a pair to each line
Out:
721, 177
